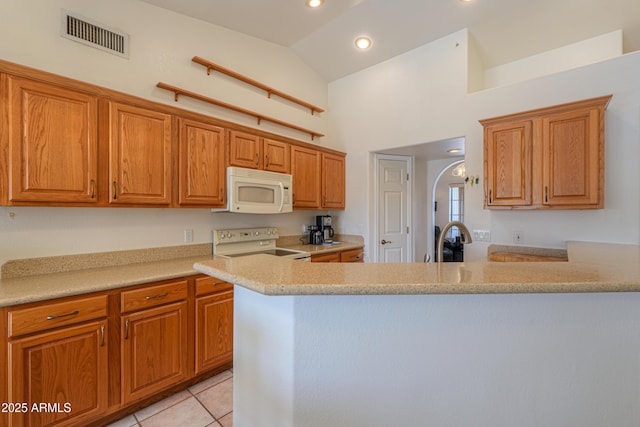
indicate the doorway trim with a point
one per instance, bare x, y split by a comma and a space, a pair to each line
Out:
410, 247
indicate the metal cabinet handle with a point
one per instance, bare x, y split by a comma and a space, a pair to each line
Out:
102, 336
126, 329
73, 313
266, 158
384, 242
115, 190
257, 158
157, 296
93, 188
489, 196
221, 195
546, 194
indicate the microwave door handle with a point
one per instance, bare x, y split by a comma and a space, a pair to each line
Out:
281, 197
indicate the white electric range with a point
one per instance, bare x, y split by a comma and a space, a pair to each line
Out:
248, 241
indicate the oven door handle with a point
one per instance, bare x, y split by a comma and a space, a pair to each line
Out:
281, 196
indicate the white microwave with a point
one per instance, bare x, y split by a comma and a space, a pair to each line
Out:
258, 192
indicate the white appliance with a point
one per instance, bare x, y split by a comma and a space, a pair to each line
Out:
258, 192
248, 241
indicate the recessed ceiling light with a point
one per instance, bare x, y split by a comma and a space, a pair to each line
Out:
363, 42
314, 3
454, 150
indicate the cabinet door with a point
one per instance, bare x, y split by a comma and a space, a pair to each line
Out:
332, 181
202, 172
245, 150
305, 168
277, 156
214, 330
139, 156
154, 350
507, 156
53, 142
573, 159
67, 369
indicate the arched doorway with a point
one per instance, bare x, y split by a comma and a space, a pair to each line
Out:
448, 205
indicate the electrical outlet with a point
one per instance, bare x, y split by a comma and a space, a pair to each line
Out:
481, 235
188, 236
518, 237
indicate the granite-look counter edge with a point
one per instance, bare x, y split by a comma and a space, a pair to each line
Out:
38, 279
55, 285
275, 276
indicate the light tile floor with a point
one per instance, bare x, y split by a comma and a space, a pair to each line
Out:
206, 404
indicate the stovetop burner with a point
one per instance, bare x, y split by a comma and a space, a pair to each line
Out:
249, 241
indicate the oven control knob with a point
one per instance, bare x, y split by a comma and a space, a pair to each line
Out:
228, 236
257, 233
220, 236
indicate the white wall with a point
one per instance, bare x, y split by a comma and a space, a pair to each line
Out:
596, 49
162, 45
522, 360
421, 96
395, 104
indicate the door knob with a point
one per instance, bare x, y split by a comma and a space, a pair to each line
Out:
384, 242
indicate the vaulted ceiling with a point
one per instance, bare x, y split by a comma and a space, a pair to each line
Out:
503, 30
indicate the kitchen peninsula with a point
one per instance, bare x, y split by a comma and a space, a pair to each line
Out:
473, 344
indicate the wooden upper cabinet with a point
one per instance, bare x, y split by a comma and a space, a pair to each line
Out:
551, 158
305, 168
277, 156
573, 158
333, 176
53, 143
202, 180
508, 163
139, 156
245, 150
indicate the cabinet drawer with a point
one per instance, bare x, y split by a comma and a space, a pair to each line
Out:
352, 255
208, 285
48, 316
152, 296
330, 257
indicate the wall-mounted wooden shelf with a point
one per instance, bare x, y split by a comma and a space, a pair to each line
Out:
270, 91
260, 117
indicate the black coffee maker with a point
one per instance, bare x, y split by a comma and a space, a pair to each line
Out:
323, 222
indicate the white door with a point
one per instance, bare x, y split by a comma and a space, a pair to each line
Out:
393, 209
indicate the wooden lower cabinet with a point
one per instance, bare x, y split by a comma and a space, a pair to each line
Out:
350, 255
214, 330
63, 373
154, 346
70, 359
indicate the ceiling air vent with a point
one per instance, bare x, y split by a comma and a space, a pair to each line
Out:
94, 34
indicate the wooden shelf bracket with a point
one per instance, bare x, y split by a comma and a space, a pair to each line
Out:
260, 117
270, 91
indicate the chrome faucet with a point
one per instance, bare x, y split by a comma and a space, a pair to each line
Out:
465, 236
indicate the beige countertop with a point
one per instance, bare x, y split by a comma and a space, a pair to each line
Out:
38, 279
40, 287
273, 276
591, 268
